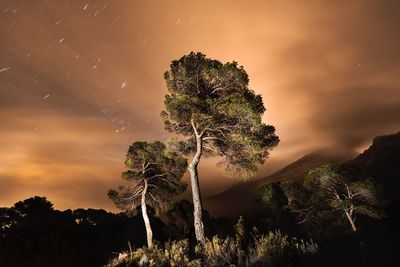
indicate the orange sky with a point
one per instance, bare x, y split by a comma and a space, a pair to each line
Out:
81, 80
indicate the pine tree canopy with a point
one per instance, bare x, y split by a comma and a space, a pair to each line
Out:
212, 100
162, 170
344, 187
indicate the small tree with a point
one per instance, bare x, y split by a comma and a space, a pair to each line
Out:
344, 188
211, 105
272, 195
155, 176
286, 196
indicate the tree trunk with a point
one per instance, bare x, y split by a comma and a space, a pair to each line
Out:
352, 223
146, 219
197, 213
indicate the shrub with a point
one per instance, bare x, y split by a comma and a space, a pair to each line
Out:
219, 252
175, 254
272, 250
277, 249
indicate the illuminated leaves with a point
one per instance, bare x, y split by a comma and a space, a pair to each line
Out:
213, 99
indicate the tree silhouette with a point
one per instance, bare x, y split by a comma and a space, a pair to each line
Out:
155, 176
211, 105
33, 205
286, 194
181, 214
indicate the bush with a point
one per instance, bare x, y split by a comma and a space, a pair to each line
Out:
219, 252
175, 254
273, 249
277, 249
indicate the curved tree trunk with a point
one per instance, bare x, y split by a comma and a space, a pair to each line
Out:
197, 213
146, 219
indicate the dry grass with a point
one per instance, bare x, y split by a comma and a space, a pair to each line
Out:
273, 249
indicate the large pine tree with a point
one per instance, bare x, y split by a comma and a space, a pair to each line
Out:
211, 105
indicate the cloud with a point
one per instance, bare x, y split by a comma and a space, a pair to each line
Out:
347, 117
328, 73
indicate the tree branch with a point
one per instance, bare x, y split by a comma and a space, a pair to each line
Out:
194, 127
155, 176
212, 138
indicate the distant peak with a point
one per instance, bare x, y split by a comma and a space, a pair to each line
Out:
386, 139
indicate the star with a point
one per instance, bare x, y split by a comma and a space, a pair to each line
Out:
123, 85
4, 69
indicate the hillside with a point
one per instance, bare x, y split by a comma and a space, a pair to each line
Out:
382, 161
239, 198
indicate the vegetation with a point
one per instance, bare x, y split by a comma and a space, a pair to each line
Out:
344, 188
33, 233
155, 177
48, 237
329, 193
272, 249
210, 104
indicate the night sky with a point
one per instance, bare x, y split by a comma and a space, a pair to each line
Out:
81, 80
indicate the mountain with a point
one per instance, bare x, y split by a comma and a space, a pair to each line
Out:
240, 198
382, 161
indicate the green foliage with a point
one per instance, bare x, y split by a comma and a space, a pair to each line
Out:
240, 229
330, 195
272, 249
282, 204
219, 252
160, 168
243, 237
161, 161
272, 195
345, 187
212, 100
276, 249
181, 215
175, 254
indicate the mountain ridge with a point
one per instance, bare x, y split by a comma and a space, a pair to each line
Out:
238, 194
381, 160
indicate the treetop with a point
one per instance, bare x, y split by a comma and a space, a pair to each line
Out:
211, 101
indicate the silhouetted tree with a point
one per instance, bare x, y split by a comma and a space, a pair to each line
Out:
272, 195
155, 175
211, 105
282, 204
33, 205
344, 188
32, 233
181, 214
